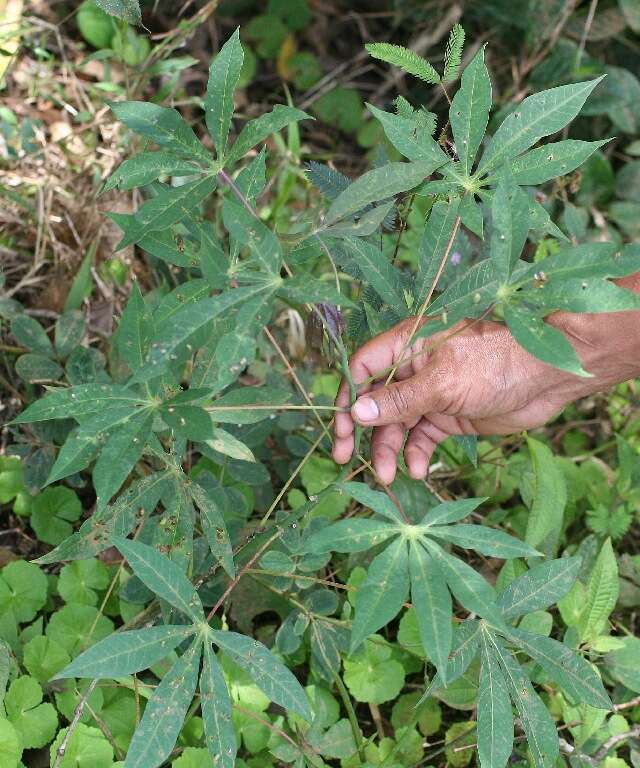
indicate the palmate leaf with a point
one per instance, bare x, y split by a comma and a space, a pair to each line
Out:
162, 576
124, 653
301, 290
216, 707
352, 535
433, 244
165, 712
552, 160
485, 540
142, 169
252, 233
405, 59
376, 500
169, 206
539, 115
214, 527
510, 225
495, 718
469, 111
537, 723
378, 271
432, 602
571, 672
383, 593
413, 141
378, 184
223, 78
466, 584
592, 295
539, 587
543, 340
451, 511
278, 682
81, 400
119, 455
166, 127
261, 128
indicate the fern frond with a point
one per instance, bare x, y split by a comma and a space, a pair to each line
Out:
453, 54
407, 60
426, 120
403, 108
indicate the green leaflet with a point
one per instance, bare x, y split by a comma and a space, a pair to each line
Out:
183, 323
376, 500
134, 331
85, 442
586, 295
539, 115
352, 535
368, 223
301, 290
406, 59
261, 128
119, 455
69, 331
511, 223
433, 245
571, 672
537, 723
278, 682
223, 78
141, 497
471, 214
378, 184
602, 594
432, 602
540, 587
469, 111
466, 584
485, 540
78, 401
382, 595
142, 169
166, 208
378, 272
162, 576
252, 233
214, 527
123, 653
551, 160
549, 498
467, 297
464, 648
28, 332
189, 421
451, 511
165, 712
234, 406
164, 126
495, 718
412, 141
542, 340
215, 704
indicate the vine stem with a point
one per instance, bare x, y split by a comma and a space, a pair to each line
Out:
74, 723
351, 714
427, 301
263, 407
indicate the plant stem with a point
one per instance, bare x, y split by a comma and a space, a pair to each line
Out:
351, 714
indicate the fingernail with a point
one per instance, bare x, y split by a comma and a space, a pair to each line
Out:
366, 409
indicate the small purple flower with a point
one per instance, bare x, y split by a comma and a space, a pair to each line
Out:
456, 258
332, 318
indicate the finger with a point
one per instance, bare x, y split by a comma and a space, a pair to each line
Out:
420, 446
399, 402
343, 426
386, 445
342, 449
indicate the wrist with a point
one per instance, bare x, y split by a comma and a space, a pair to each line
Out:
608, 346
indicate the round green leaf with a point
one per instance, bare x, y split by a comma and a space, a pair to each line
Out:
10, 745
34, 368
87, 748
23, 590
36, 723
371, 674
71, 627
52, 512
79, 580
43, 657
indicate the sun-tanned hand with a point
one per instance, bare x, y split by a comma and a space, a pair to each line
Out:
472, 381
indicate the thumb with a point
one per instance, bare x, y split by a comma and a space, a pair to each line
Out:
397, 402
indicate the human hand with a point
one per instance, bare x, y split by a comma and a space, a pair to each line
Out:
473, 380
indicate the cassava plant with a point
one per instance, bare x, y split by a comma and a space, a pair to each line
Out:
173, 393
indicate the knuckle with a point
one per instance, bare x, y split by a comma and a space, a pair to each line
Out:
398, 400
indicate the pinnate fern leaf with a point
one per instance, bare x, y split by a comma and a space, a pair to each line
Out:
405, 59
453, 54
